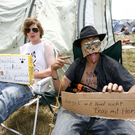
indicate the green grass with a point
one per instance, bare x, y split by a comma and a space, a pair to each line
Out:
128, 56
23, 119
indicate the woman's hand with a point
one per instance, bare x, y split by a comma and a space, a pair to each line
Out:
112, 88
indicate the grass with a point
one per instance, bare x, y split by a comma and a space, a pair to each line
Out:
23, 119
128, 56
129, 60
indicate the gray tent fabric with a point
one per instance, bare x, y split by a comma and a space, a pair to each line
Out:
62, 21
12, 16
90, 12
118, 26
133, 23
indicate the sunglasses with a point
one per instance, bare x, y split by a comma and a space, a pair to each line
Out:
33, 29
89, 44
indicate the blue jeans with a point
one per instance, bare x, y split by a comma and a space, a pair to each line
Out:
12, 97
69, 123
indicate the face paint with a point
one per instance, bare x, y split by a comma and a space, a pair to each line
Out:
91, 47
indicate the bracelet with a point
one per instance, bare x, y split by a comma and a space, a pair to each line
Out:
55, 78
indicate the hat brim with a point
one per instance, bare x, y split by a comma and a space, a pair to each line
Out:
78, 41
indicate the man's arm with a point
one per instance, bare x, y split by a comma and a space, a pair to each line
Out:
64, 83
132, 89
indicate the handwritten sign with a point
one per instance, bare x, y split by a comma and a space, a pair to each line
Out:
105, 105
16, 69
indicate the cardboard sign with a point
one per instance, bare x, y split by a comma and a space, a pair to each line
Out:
104, 105
17, 69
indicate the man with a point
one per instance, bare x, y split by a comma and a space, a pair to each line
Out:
126, 32
123, 28
13, 96
100, 72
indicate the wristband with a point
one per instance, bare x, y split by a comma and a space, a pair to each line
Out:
55, 78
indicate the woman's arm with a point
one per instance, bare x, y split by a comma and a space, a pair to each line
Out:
49, 57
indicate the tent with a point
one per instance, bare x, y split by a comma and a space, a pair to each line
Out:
118, 26
61, 21
133, 23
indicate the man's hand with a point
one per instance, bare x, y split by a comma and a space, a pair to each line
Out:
112, 88
59, 63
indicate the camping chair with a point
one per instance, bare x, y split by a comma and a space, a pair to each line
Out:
39, 96
115, 51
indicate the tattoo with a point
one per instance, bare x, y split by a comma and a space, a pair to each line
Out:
91, 74
91, 78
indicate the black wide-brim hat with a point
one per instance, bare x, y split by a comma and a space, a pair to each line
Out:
86, 32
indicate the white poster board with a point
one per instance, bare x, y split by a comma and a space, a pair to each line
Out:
16, 69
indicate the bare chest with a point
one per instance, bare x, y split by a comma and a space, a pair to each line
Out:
89, 78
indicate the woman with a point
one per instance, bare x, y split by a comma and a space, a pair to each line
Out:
43, 55
13, 96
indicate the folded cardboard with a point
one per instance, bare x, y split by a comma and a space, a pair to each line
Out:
104, 105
